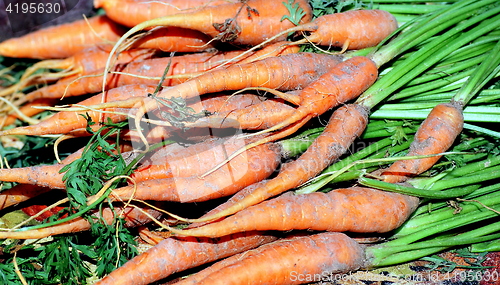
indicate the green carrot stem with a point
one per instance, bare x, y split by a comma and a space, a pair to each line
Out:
440, 217
422, 193
473, 168
481, 176
409, 9
482, 75
488, 114
429, 55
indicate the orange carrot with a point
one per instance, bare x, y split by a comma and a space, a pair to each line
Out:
288, 261
27, 110
244, 170
133, 217
355, 209
152, 69
274, 72
173, 39
67, 121
63, 40
125, 11
177, 254
354, 29
20, 193
344, 82
347, 123
435, 135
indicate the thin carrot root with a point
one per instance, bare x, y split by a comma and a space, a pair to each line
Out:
435, 135
355, 209
133, 216
346, 124
181, 253
311, 255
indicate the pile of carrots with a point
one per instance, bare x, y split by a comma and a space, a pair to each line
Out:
212, 91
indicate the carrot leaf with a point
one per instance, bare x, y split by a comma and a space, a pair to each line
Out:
296, 13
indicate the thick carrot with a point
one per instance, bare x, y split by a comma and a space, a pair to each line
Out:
242, 171
177, 254
295, 260
346, 124
63, 40
133, 217
125, 11
20, 193
354, 29
434, 136
355, 209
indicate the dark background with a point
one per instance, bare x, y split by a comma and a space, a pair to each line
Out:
17, 24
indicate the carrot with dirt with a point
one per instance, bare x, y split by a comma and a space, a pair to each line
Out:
181, 253
443, 124
64, 40
356, 209
133, 216
295, 260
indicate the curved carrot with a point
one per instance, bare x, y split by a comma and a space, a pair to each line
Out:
125, 11
20, 193
177, 254
242, 171
435, 135
133, 217
287, 261
342, 83
63, 40
355, 209
346, 124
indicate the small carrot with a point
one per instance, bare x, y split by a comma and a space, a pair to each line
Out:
288, 261
356, 209
64, 40
125, 11
434, 136
132, 215
177, 254
27, 110
346, 123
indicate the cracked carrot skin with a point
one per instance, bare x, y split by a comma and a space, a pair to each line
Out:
436, 134
296, 260
355, 209
64, 40
176, 254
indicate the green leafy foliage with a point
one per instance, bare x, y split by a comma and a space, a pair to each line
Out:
296, 13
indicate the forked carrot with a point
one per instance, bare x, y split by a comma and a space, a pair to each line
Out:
180, 253
434, 136
63, 40
133, 217
287, 261
346, 124
356, 209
